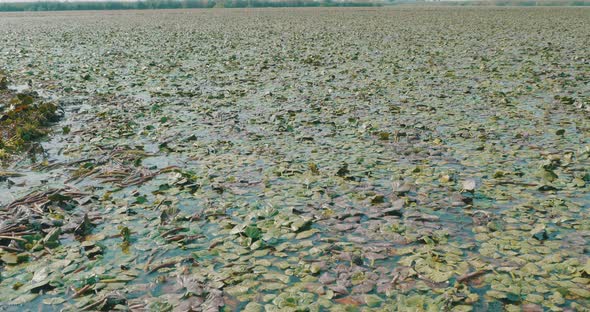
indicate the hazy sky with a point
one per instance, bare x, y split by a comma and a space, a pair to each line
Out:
13, 1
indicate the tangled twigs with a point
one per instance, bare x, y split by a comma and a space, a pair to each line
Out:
15, 218
42, 197
145, 177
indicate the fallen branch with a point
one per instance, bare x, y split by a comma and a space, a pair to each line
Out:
163, 265
94, 305
12, 249
395, 278
468, 276
174, 230
20, 239
150, 259
81, 291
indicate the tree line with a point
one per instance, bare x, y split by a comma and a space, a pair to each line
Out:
172, 4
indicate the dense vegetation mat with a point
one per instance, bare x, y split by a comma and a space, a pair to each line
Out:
302, 160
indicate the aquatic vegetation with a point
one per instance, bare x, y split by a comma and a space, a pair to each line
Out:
401, 159
24, 118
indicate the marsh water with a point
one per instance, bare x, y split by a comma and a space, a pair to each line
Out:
395, 159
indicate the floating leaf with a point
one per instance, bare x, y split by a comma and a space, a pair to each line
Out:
253, 232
